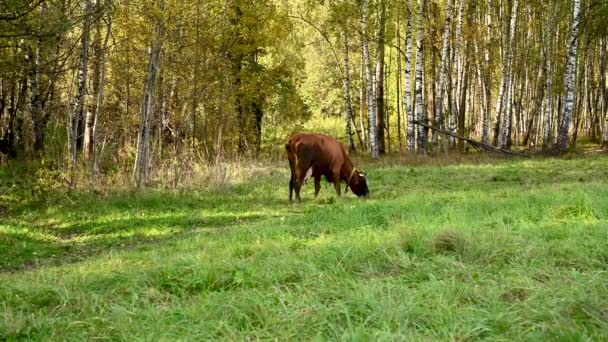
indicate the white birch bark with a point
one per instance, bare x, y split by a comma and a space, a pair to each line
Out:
569, 77
456, 72
443, 69
547, 127
407, 84
503, 138
420, 112
371, 101
90, 117
485, 130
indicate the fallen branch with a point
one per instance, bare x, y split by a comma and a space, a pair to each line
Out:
476, 144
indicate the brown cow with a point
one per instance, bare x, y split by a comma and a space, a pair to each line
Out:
319, 155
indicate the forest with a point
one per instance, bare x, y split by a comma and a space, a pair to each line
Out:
145, 184
143, 87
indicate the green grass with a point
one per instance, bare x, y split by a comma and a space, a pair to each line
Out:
508, 250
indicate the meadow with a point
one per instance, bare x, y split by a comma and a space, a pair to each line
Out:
508, 249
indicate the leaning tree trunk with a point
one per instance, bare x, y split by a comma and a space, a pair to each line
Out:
420, 112
407, 84
569, 77
503, 139
371, 101
442, 70
349, 111
76, 115
379, 93
141, 171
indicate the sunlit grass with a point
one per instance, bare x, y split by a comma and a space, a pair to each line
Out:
507, 250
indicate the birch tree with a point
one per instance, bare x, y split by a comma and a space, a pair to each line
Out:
487, 77
407, 83
371, 101
456, 71
569, 78
443, 70
420, 111
508, 82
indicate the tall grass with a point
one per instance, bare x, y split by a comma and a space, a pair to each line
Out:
501, 250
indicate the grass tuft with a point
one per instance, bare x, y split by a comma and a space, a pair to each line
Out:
450, 240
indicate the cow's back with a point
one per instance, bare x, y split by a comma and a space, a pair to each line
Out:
322, 152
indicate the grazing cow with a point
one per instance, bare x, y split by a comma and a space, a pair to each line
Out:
316, 155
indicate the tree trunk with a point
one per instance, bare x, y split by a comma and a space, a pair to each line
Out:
579, 102
569, 78
463, 104
258, 114
442, 70
36, 100
371, 102
456, 73
349, 112
547, 127
487, 76
398, 86
141, 171
505, 132
604, 93
387, 113
380, 124
77, 115
91, 115
100, 93
362, 97
536, 109
407, 84
420, 111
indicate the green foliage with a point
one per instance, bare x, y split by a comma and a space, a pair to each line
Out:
478, 249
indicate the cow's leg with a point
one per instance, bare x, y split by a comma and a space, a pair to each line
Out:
336, 179
297, 185
291, 189
317, 185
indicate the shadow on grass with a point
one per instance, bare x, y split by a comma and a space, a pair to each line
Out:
69, 230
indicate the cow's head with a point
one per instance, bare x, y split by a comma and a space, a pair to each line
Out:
358, 184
